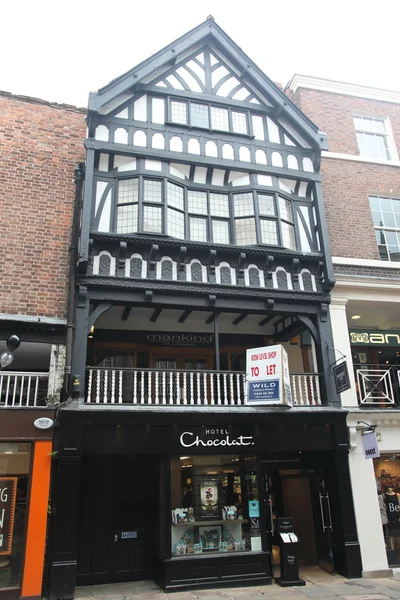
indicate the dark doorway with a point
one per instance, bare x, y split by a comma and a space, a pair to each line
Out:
118, 518
301, 494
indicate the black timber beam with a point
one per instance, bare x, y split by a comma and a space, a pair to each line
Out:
212, 317
266, 320
126, 312
290, 331
184, 316
240, 318
195, 159
155, 315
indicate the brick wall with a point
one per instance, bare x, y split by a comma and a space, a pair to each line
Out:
40, 145
347, 184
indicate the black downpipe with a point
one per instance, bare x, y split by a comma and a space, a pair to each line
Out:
79, 174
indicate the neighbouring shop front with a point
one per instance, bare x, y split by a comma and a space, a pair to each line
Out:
193, 499
25, 447
387, 474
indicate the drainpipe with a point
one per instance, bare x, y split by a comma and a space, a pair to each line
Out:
79, 174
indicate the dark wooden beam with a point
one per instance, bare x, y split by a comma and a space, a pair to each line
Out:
240, 318
155, 315
212, 317
126, 312
290, 331
266, 320
184, 316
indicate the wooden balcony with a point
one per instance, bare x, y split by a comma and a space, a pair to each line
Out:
156, 387
378, 386
23, 389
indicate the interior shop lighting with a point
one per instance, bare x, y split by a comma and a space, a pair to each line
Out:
355, 317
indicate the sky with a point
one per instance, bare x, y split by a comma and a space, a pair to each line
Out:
59, 51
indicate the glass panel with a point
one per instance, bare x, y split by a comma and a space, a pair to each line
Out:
175, 195
215, 504
219, 205
266, 205
219, 118
176, 224
243, 204
197, 202
383, 253
285, 207
396, 206
199, 115
152, 219
288, 237
152, 191
388, 219
127, 191
239, 122
374, 203
245, 231
361, 144
269, 233
220, 232
394, 252
127, 218
14, 482
380, 236
179, 112
358, 123
198, 229
377, 217
391, 238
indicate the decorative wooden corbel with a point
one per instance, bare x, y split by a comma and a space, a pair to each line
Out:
269, 265
295, 269
153, 256
182, 257
122, 250
148, 295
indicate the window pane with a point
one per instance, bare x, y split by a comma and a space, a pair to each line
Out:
245, 231
239, 122
176, 224
386, 204
394, 252
269, 234
219, 118
243, 204
199, 115
358, 123
266, 205
179, 112
285, 207
362, 147
152, 219
175, 195
377, 218
220, 232
383, 253
380, 236
374, 203
388, 219
391, 238
219, 205
127, 218
197, 202
152, 191
127, 191
198, 229
375, 146
288, 237
396, 206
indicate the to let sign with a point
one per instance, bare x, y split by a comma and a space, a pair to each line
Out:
267, 376
8, 493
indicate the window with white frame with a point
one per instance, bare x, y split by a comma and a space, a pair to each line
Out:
372, 137
206, 116
386, 218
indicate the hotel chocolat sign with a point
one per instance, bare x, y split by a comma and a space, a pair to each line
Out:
8, 493
214, 437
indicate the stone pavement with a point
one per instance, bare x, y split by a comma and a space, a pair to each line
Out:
319, 586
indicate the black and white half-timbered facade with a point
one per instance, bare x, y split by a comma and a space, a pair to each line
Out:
202, 235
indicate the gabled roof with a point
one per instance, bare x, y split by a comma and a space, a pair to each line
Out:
210, 32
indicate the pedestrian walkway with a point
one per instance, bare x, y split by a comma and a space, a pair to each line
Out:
319, 586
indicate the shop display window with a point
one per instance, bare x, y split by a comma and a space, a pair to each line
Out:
15, 462
387, 472
215, 505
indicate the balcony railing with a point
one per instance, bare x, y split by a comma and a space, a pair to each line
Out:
155, 387
23, 389
378, 386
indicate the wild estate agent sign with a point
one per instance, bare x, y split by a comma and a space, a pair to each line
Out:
267, 376
8, 493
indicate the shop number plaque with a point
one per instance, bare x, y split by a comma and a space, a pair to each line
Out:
8, 493
128, 535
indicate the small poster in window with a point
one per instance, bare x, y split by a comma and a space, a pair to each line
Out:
209, 498
254, 508
8, 494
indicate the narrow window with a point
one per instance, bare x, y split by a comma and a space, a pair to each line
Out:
127, 206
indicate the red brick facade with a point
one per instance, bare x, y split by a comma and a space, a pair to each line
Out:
40, 145
347, 183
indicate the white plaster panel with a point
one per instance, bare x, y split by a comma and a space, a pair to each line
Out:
139, 138
292, 162
273, 131
276, 159
176, 144
158, 110
157, 141
189, 79
237, 178
218, 177
124, 114
120, 136
102, 133
189, 270
264, 180
193, 146
244, 154
218, 272
261, 157
288, 141
100, 189
218, 74
96, 263
196, 68
159, 268
103, 162
211, 149
152, 165
124, 163
289, 185
258, 127
128, 266
104, 223
200, 175
241, 94
302, 189
140, 109
227, 87
184, 170
227, 152
175, 82
307, 165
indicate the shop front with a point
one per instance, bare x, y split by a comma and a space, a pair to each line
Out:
387, 473
25, 447
193, 499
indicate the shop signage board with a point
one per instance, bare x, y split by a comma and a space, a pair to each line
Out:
267, 376
374, 337
370, 445
341, 375
8, 494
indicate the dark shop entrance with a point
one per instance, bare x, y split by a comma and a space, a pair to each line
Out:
118, 518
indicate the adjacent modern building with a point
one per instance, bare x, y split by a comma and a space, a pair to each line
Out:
40, 145
203, 234
361, 184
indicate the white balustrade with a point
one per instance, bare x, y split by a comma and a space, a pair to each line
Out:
23, 389
185, 388
378, 385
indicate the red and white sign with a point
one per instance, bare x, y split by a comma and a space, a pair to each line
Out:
267, 376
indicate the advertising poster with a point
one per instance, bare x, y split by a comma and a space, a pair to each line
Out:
8, 493
267, 376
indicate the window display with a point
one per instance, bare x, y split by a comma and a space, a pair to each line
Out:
14, 475
215, 505
387, 472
